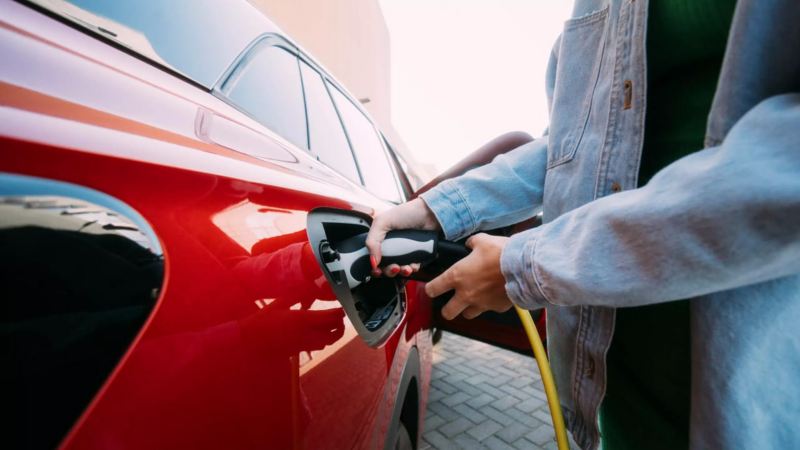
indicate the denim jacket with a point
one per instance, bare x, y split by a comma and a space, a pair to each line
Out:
721, 225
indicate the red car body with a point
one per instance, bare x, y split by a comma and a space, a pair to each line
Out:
77, 110
245, 344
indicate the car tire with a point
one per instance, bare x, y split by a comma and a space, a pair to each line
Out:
403, 440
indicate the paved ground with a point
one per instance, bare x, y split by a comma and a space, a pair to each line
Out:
483, 397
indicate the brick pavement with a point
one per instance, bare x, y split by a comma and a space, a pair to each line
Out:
484, 397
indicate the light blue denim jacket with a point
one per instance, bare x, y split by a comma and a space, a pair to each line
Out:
721, 225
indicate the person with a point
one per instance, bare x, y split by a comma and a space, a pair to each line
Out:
669, 256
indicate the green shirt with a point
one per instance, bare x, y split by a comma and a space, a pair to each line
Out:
647, 398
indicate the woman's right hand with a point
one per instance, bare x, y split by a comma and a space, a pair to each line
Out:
413, 215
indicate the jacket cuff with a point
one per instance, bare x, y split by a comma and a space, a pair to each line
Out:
518, 267
451, 210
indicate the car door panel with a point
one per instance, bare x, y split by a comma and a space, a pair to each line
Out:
246, 347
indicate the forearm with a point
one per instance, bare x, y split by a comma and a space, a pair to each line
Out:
718, 219
504, 192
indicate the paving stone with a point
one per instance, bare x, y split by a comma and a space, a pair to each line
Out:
477, 379
493, 443
446, 387
437, 441
505, 403
445, 412
432, 421
435, 394
530, 405
455, 399
469, 389
484, 429
484, 397
498, 416
520, 382
456, 427
467, 443
544, 416
491, 390
499, 380
470, 413
514, 431
511, 390
541, 435
524, 444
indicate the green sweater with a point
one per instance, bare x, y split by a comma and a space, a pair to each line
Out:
648, 396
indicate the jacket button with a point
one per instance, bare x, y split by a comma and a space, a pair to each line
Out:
616, 187
627, 100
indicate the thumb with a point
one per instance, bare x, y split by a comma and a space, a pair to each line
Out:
472, 241
376, 235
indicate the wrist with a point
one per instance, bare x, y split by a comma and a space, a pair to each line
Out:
429, 221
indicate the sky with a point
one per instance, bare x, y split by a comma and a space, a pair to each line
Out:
466, 71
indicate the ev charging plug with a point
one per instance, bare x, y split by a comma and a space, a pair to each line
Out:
351, 255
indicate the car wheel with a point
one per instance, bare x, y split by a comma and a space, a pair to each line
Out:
403, 441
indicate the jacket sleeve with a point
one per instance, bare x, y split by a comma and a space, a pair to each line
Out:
717, 219
509, 190
506, 191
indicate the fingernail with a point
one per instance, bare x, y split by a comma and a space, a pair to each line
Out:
373, 261
395, 270
406, 272
376, 272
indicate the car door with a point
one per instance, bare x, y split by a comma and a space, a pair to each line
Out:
239, 342
343, 391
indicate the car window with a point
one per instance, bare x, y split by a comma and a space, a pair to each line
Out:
325, 133
267, 86
370, 153
196, 38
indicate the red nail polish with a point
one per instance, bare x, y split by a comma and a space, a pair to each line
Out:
373, 261
395, 270
406, 272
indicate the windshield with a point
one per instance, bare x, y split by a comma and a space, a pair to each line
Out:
197, 38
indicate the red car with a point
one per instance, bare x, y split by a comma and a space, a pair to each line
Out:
168, 172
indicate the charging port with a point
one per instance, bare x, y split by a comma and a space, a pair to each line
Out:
375, 307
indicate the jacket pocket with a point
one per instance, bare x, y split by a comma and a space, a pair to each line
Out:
580, 55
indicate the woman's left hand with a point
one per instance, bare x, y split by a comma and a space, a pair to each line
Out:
477, 280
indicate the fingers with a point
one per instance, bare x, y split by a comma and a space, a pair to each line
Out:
377, 232
475, 239
472, 312
391, 270
443, 283
412, 215
454, 307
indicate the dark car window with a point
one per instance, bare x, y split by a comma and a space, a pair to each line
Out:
267, 86
197, 38
372, 159
325, 133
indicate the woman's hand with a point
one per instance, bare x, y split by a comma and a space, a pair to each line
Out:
477, 280
414, 215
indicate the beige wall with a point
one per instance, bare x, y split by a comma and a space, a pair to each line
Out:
350, 38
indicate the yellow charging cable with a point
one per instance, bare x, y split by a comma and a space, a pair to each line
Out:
547, 377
